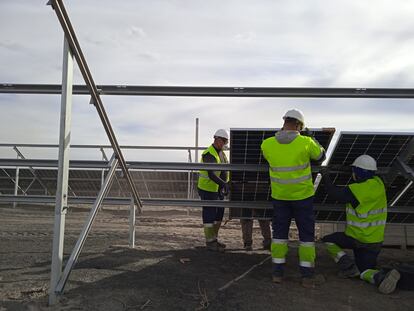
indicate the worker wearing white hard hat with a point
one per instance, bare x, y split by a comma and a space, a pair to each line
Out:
213, 185
366, 216
289, 155
297, 115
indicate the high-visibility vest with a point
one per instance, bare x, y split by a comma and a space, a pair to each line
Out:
366, 222
204, 182
289, 166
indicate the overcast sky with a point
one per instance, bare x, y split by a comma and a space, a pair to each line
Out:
206, 43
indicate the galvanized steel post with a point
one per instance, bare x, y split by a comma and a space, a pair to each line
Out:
63, 173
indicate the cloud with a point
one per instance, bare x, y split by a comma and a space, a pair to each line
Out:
263, 43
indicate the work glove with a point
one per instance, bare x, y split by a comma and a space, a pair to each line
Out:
223, 191
225, 188
307, 132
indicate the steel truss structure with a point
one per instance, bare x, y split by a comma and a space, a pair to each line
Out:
72, 50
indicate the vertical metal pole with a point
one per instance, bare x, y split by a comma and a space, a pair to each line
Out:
16, 184
104, 158
63, 173
87, 227
196, 142
132, 224
189, 177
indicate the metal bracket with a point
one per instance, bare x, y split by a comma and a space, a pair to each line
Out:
404, 169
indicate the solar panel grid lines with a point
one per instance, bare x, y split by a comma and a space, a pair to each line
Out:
385, 148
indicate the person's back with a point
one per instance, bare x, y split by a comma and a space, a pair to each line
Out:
366, 222
289, 154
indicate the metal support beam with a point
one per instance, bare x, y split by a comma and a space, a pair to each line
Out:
408, 186
63, 173
141, 90
184, 148
58, 289
176, 202
32, 170
132, 224
140, 165
404, 169
403, 157
189, 184
16, 185
75, 48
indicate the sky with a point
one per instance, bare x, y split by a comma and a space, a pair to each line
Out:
304, 43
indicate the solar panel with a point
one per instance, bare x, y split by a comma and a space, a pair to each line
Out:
255, 186
87, 183
383, 147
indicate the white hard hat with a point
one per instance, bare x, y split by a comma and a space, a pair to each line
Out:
222, 133
295, 114
366, 162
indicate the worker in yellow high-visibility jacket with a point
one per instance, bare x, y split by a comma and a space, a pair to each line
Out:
289, 154
366, 217
213, 185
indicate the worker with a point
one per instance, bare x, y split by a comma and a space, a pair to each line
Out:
366, 215
214, 185
289, 154
247, 233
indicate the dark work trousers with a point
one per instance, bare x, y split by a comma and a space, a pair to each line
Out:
302, 212
365, 254
211, 214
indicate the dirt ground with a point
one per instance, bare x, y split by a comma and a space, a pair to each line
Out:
168, 270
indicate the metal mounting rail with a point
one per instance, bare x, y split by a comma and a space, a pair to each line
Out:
34, 199
104, 146
73, 42
140, 90
141, 165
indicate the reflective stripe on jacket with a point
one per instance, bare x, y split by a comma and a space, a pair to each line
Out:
204, 182
289, 166
366, 222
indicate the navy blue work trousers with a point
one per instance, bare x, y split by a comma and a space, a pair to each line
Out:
301, 211
365, 254
211, 214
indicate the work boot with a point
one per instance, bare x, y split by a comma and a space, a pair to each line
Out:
313, 281
214, 246
248, 247
350, 272
389, 283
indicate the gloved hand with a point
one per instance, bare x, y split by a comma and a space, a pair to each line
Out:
307, 132
225, 188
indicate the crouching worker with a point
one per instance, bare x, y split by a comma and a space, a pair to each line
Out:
213, 185
366, 215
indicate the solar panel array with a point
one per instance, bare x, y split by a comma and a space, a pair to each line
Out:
87, 183
255, 186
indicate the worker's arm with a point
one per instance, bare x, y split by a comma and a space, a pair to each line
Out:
317, 152
341, 194
208, 158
